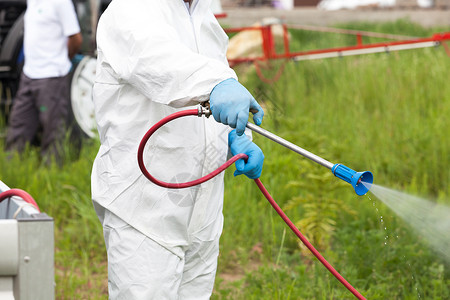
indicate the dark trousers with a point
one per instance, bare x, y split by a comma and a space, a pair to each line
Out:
40, 105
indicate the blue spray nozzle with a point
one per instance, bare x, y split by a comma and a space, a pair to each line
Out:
361, 181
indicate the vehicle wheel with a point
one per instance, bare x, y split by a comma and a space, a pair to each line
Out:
82, 105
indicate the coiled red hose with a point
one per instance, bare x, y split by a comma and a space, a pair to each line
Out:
194, 112
20, 193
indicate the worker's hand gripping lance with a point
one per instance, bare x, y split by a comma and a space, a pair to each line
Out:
361, 181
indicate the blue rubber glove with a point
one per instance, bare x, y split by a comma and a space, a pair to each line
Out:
241, 144
230, 103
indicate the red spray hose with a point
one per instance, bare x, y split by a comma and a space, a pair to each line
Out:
194, 112
20, 193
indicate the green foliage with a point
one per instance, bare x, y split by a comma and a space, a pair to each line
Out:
320, 211
64, 194
387, 113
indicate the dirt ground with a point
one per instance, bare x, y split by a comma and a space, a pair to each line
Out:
312, 16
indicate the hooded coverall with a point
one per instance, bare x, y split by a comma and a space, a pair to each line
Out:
154, 58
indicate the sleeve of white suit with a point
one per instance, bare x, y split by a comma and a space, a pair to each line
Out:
149, 56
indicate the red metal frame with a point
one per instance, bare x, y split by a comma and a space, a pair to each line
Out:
221, 15
435, 40
269, 52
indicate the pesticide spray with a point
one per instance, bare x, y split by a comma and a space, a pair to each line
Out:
430, 220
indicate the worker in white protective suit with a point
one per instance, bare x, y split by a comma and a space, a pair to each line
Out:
154, 58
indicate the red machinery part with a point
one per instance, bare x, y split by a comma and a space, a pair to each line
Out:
220, 15
194, 112
19, 193
401, 43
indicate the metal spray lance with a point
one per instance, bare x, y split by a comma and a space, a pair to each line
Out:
361, 181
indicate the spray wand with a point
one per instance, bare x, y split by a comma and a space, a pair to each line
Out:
361, 181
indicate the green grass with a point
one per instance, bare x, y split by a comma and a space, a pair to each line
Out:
387, 113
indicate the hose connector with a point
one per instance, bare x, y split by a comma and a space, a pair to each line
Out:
361, 181
204, 110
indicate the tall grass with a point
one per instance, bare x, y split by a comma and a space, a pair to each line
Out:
64, 194
387, 113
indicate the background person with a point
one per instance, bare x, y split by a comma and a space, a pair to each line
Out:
51, 38
155, 58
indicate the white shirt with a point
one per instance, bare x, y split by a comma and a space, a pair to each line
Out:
155, 58
48, 24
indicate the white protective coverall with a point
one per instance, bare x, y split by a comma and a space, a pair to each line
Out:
156, 57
